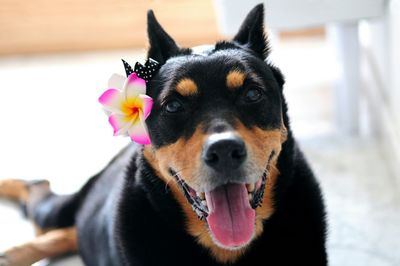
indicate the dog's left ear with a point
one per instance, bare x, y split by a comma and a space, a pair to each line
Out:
162, 46
252, 34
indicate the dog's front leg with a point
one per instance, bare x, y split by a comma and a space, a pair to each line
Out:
51, 244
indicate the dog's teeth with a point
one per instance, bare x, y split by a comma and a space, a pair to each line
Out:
250, 187
204, 203
201, 195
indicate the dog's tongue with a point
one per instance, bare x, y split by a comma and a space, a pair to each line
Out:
231, 218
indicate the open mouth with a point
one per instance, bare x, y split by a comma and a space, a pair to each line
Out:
229, 209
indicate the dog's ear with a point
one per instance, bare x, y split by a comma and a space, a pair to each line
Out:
251, 33
278, 75
162, 46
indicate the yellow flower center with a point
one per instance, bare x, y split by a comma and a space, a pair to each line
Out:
131, 109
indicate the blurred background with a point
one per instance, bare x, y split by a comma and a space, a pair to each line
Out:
342, 65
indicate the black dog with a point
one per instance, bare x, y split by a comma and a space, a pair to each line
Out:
223, 181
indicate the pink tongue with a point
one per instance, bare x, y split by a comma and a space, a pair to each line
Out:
231, 218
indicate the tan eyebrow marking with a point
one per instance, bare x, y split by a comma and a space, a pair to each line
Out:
186, 87
235, 79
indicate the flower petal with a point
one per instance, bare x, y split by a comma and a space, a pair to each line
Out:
112, 100
138, 132
116, 81
119, 124
147, 105
134, 86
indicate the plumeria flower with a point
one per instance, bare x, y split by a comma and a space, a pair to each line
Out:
128, 106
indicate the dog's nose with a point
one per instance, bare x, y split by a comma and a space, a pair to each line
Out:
224, 152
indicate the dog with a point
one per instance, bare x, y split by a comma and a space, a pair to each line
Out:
222, 183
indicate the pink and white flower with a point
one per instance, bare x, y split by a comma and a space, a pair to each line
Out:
128, 106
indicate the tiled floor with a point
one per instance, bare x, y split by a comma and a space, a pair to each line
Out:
362, 199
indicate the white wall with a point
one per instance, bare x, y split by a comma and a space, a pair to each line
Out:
394, 58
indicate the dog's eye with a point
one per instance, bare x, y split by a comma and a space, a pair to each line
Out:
253, 95
173, 106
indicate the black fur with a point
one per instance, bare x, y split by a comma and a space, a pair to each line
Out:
126, 215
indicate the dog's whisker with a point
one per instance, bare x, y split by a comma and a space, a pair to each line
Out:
175, 175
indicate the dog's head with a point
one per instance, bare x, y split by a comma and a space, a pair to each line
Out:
216, 130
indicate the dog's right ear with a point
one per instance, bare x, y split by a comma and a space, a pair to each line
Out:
162, 46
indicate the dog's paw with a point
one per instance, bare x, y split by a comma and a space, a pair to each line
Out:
3, 260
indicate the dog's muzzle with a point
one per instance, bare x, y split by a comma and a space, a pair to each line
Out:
230, 202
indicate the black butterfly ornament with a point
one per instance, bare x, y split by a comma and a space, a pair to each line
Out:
145, 72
